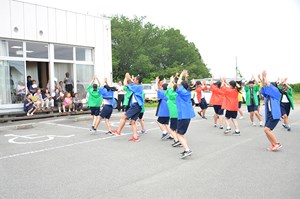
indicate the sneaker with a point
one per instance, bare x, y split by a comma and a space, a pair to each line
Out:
184, 154
170, 138
204, 117
241, 118
253, 124
228, 130
164, 136
109, 132
215, 125
93, 131
238, 133
284, 125
261, 124
134, 139
28, 114
116, 132
175, 143
289, 128
142, 132
221, 127
276, 147
270, 148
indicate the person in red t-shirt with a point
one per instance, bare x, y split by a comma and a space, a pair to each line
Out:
201, 98
216, 101
230, 104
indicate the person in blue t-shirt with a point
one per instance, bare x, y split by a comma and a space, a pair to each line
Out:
162, 108
272, 111
136, 103
185, 111
108, 102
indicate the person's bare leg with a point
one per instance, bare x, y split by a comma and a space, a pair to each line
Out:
122, 123
108, 124
134, 128
270, 135
183, 141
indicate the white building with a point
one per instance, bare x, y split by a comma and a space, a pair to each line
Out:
45, 43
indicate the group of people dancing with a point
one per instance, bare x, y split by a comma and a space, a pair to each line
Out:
175, 108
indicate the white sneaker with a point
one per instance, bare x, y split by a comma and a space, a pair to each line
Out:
253, 124
261, 124
241, 118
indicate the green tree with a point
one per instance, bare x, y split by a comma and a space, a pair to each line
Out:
147, 50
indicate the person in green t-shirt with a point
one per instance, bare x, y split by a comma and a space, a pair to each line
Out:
171, 95
94, 101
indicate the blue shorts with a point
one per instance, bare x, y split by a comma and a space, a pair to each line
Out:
252, 108
182, 126
95, 111
106, 111
285, 108
26, 109
203, 103
218, 109
173, 124
163, 120
133, 111
231, 114
270, 122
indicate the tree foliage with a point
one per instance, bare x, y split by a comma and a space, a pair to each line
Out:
147, 50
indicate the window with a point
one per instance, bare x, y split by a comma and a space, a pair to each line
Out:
84, 54
85, 74
11, 48
63, 52
37, 50
12, 82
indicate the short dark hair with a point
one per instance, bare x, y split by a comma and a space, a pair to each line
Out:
139, 78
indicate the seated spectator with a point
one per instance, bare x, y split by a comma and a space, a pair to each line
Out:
48, 100
38, 99
68, 103
58, 99
29, 106
33, 87
77, 104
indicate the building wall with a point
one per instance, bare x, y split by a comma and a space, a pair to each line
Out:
27, 21
30, 22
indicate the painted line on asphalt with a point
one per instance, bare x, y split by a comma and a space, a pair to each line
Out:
65, 146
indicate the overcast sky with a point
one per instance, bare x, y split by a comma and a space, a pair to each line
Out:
262, 34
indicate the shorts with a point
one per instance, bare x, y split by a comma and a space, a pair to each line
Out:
231, 114
163, 120
173, 124
106, 111
203, 103
252, 108
285, 108
270, 122
133, 111
182, 126
141, 115
28, 108
218, 109
95, 111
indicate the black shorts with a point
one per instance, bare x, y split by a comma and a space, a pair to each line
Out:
182, 126
133, 112
163, 120
285, 108
240, 104
95, 111
203, 103
173, 124
270, 122
252, 108
231, 114
218, 109
141, 115
106, 111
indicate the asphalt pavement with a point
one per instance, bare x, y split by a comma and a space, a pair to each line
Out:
59, 158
